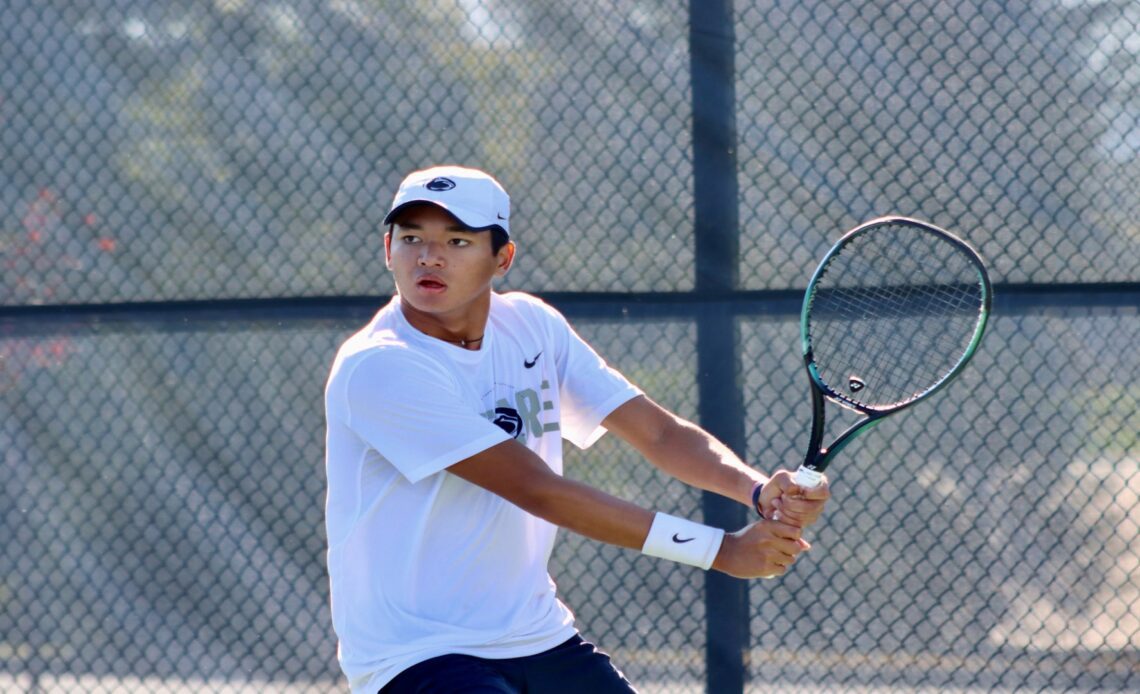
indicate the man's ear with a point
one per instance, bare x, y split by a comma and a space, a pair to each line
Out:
506, 258
388, 248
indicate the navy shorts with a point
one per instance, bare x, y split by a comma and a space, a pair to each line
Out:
574, 667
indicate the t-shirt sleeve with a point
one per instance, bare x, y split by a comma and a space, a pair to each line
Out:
590, 389
413, 413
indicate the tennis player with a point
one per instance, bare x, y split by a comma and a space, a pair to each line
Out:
446, 415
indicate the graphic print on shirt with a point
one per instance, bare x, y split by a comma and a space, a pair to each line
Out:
508, 419
523, 413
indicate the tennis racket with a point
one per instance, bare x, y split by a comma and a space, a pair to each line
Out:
892, 314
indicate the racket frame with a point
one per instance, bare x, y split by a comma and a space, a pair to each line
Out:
818, 458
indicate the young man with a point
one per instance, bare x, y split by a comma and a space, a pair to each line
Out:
446, 416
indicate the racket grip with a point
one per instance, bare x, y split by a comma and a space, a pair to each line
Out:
808, 478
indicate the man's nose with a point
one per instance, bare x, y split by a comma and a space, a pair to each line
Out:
431, 255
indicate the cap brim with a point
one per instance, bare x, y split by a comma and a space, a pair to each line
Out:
472, 221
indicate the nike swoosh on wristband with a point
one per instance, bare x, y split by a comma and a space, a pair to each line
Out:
679, 540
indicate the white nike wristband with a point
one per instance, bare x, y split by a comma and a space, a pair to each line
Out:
682, 541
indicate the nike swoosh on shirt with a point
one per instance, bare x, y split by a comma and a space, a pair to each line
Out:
529, 363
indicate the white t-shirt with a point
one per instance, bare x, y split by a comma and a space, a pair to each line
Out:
422, 563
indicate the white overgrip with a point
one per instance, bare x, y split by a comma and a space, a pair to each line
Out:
808, 478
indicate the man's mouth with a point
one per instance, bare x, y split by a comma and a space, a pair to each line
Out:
431, 283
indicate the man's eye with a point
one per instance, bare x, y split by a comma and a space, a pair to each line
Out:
410, 239
461, 242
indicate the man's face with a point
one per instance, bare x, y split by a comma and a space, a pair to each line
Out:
439, 267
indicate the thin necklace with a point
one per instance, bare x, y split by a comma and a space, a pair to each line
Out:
464, 341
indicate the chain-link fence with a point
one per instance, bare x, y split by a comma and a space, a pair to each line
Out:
189, 203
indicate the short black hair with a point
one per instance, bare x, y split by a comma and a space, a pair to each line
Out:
499, 239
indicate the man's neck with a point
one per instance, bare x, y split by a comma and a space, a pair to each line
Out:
465, 329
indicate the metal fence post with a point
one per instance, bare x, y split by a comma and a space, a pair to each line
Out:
712, 54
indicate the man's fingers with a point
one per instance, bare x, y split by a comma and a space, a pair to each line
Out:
819, 493
784, 531
787, 540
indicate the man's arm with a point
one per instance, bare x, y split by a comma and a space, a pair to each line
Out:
683, 450
514, 472
517, 474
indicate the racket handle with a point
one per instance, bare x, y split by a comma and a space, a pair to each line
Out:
808, 478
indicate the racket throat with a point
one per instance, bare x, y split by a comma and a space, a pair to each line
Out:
815, 450
826, 454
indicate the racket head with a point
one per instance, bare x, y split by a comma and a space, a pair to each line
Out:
894, 311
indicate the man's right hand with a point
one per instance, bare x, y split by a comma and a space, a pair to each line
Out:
764, 549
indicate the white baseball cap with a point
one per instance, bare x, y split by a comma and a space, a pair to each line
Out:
473, 196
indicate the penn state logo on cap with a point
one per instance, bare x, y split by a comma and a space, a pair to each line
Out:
440, 184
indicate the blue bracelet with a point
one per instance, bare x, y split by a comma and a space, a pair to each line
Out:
756, 489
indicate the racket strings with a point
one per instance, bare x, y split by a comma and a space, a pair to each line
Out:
892, 315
